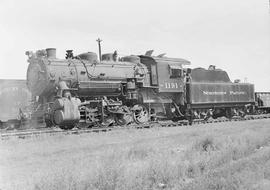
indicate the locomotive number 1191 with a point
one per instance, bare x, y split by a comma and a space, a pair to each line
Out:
171, 85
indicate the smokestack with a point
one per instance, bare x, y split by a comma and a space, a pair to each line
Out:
51, 53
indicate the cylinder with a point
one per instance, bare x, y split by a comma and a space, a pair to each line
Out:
51, 53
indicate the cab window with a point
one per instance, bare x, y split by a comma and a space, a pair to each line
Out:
175, 73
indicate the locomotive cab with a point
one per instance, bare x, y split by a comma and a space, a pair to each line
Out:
166, 73
164, 93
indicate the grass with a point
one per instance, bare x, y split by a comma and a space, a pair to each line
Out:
215, 157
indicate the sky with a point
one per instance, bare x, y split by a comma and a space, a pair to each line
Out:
233, 35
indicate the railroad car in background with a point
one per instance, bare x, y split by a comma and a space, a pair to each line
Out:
210, 92
14, 95
262, 102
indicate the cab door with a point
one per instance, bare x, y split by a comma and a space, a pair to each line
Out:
154, 77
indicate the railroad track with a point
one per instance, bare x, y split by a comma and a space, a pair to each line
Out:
51, 131
25, 133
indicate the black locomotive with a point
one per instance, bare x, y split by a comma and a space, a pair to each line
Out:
83, 91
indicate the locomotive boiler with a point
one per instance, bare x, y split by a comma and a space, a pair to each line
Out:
83, 91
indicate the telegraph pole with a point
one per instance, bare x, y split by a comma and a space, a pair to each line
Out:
269, 5
99, 48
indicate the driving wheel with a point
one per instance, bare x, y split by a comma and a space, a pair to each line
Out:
140, 114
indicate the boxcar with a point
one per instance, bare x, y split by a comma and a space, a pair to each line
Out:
263, 101
13, 96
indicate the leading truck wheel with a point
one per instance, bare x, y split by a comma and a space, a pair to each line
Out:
242, 114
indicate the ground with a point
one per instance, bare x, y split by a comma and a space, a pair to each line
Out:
231, 155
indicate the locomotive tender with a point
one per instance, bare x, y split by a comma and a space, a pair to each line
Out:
83, 91
211, 93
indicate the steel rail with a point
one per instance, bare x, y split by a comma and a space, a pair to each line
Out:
168, 123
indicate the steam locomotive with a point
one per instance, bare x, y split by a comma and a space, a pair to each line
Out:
85, 91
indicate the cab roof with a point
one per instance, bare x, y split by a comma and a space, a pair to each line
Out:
175, 61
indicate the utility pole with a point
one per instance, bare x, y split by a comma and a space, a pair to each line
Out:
269, 5
99, 48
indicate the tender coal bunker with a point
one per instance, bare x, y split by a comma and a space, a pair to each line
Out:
203, 75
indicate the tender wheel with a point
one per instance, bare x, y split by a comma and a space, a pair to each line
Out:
229, 114
242, 113
123, 119
140, 114
189, 116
